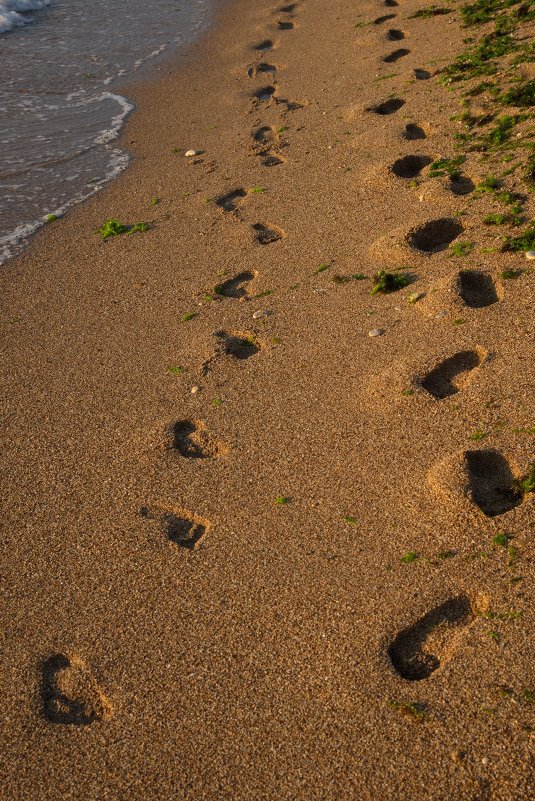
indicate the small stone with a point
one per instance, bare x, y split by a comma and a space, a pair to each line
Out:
485, 761
190, 153
530, 254
261, 313
194, 390
441, 314
376, 332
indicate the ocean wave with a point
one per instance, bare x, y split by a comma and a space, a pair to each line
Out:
11, 12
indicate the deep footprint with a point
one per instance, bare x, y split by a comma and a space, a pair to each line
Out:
421, 75
388, 107
235, 287
380, 20
264, 94
70, 692
265, 235
410, 166
284, 26
491, 482
395, 55
395, 35
413, 131
451, 375
435, 235
419, 650
239, 346
264, 46
262, 69
477, 289
191, 439
271, 160
184, 529
231, 200
461, 185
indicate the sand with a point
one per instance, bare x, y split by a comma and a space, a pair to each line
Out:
267, 574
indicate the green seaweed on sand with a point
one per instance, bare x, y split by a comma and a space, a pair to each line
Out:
389, 282
113, 227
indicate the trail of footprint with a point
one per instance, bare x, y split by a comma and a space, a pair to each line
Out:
395, 35
434, 235
388, 106
235, 287
191, 440
261, 69
491, 482
410, 166
452, 374
185, 529
419, 650
264, 46
264, 94
284, 25
238, 345
265, 140
265, 235
395, 55
477, 289
421, 75
70, 692
230, 201
413, 131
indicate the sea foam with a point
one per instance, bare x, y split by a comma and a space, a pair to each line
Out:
12, 12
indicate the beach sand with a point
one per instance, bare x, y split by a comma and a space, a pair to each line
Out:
244, 552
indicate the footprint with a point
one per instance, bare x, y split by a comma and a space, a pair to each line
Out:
396, 54
265, 235
434, 235
421, 75
491, 482
271, 160
264, 46
394, 35
231, 200
388, 106
261, 69
413, 131
239, 345
288, 9
461, 185
235, 287
417, 651
477, 289
384, 18
191, 439
185, 529
452, 375
283, 25
410, 166
391, 3
71, 693
264, 94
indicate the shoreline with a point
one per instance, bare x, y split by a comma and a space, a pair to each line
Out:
250, 546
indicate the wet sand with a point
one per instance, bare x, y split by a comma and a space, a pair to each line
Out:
249, 550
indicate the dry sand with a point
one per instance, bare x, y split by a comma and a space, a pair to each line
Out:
170, 631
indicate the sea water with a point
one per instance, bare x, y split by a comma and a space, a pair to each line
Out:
61, 62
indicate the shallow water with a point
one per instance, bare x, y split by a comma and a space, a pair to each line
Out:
61, 62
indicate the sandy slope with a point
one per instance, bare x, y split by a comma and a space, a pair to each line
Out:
260, 664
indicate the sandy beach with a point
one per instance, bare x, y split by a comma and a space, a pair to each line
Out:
268, 534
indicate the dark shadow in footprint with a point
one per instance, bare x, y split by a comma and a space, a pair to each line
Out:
230, 201
265, 93
271, 160
395, 35
388, 107
461, 185
191, 439
413, 131
477, 289
435, 235
265, 136
391, 3
284, 26
240, 346
416, 652
421, 75
384, 18
265, 235
410, 166
261, 69
395, 55
288, 9
70, 692
264, 46
184, 529
491, 482
451, 375
235, 287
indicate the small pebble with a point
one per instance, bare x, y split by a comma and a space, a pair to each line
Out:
485, 761
194, 390
530, 254
441, 314
261, 313
376, 332
190, 153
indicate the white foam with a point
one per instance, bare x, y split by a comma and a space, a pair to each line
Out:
11, 12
